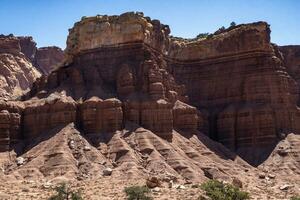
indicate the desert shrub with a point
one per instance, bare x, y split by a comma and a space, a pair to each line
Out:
138, 193
202, 35
232, 24
216, 190
295, 198
220, 30
65, 193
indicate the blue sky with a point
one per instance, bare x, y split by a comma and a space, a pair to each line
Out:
48, 21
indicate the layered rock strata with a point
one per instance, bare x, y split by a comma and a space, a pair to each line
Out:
120, 78
42, 115
10, 124
101, 115
239, 79
45, 59
127, 69
48, 59
16, 72
21, 63
291, 59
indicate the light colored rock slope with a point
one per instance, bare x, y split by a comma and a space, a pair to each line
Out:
16, 71
284, 164
134, 154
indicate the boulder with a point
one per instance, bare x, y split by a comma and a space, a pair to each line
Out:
107, 171
153, 182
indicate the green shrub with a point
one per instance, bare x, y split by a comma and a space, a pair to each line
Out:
137, 193
202, 35
295, 198
232, 24
220, 191
64, 193
220, 30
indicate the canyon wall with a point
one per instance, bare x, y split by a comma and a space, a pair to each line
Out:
116, 71
240, 80
233, 85
16, 71
45, 59
48, 59
291, 60
22, 63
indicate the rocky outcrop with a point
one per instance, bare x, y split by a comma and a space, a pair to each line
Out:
123, 61
48, 59
10, 124
185, 117
21, 63
102, 30
45, 114
291, 59
239, 79
232, 85
45, 59
16, 72
101, 116
28, 47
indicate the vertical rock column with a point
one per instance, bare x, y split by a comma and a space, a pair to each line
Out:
4, 130
99, 115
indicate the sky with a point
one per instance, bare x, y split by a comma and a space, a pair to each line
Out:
48, 21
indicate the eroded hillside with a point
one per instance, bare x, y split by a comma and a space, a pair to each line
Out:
131, 98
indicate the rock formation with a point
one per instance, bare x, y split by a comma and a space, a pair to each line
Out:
48, 59
10, 124
121, 67
45, 114
16, 71
101, 115
144, 99
236, 78
291, 60
21, 63
239, 80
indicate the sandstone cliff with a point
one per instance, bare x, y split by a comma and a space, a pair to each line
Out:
127, 68
22, 63
48, 59
239, 80
45, 59
145, 100
16, 71
291, 58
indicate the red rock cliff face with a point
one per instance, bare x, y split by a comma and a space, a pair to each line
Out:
239, 80
16, 71
291, 60
48, 59
22, 63
124, 69
115, 67
45, 59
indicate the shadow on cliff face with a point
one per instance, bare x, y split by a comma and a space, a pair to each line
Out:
213, 145
254, 154
28, 144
